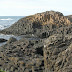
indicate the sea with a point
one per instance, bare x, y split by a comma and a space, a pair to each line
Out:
7, 21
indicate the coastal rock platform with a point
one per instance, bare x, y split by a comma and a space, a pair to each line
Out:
47, 46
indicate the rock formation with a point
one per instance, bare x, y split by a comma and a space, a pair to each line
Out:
48, 48
57, 53
41, 24
2, 40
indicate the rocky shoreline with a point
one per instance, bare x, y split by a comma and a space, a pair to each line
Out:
46, 46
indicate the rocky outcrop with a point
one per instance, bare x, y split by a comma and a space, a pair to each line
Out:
52, 54
57, 53
47, 46
41, 24
69, 17
2, 40
22, 56
65, 64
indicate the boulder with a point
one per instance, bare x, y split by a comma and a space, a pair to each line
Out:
2, 40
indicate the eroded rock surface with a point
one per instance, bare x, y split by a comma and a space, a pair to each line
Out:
22, 56
48, 48
57, 53
41, 24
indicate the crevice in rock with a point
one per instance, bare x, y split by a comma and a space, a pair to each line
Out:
39, 51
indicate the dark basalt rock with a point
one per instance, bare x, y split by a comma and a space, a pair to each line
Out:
2, 40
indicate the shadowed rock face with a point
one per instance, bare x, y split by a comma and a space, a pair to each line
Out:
52, 52
2, 40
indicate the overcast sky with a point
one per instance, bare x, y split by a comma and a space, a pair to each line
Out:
29, 7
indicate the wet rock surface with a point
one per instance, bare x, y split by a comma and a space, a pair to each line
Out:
2, 40
46, 48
